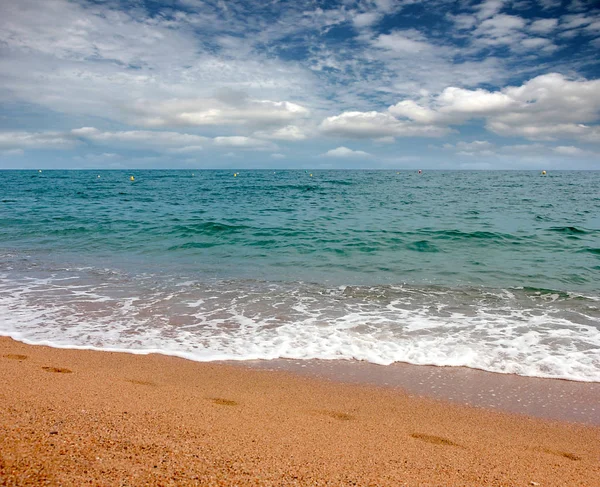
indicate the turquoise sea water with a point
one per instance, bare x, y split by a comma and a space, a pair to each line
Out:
492, 270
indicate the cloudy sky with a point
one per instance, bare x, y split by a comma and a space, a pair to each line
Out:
310, 84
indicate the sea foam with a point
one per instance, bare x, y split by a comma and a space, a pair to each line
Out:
528, 332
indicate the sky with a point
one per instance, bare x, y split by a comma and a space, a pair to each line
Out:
371, 84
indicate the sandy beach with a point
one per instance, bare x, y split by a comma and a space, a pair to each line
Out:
70, 417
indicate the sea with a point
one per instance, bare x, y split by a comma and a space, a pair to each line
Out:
492, 270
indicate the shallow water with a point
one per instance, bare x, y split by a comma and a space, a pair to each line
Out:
492, 270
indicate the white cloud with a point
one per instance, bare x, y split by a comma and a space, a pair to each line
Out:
388, 6
495, 30
529, 149
406, 61
138, 139
480, 148
549, 4
85, 131
582, 24
94, 59
544, 108
541, 150
35, 140
574, 21
489, 8
482, 102
476, 145
220, 111
103, 60
258, 76
366, 19
412, 110
278, 156
105, 156
594, 27
376, 125
500, 30
539, 43
190, 149
569, 150
543, 131
345, 152
407, 41
551, 106
543, 26
454, 105
463, 21
289, 133
242, 142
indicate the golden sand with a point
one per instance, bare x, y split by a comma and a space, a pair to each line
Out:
72, 418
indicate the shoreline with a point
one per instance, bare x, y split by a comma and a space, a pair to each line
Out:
71, 416
540, 397
545, 398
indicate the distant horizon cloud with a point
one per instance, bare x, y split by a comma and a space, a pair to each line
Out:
345, 152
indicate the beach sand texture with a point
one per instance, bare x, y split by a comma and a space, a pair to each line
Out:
70, 417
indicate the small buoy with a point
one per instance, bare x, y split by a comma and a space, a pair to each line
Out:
543, 173
420, 172
131, 178
193, 174
235, 174
39, 170
98, 176
311, 175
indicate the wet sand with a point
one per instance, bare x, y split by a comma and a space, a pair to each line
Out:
70, 417
556, 399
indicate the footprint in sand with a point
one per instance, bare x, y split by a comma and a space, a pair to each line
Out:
15, 356
436, 440
337, 415
558, 453
223, 402
141, 382
58, 370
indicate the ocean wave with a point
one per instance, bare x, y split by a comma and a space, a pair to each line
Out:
208, 228
527, 331
570, 230
423, 246
429, 267
590, 250
193, 245
458, 235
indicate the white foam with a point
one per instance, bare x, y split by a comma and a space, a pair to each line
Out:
244, 320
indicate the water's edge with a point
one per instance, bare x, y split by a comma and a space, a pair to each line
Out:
546, 398
552, 399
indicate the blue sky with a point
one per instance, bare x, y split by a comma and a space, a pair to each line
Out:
497, 84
